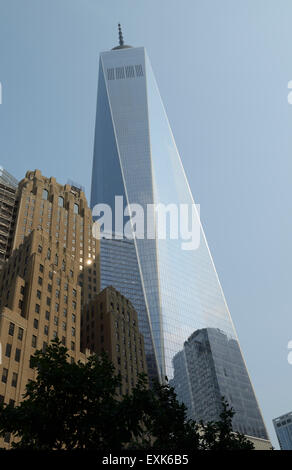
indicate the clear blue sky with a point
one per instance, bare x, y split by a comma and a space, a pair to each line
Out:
222, 69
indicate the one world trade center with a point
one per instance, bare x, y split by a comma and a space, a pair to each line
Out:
183, 315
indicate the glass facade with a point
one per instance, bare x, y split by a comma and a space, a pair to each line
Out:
283, 428
135, 156
119, 268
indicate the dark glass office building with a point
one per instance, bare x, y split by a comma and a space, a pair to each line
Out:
283, 428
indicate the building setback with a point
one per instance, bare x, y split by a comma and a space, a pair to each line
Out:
61, 212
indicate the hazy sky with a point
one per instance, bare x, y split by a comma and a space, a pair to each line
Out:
222, 69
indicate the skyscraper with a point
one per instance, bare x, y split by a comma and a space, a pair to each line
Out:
215, 369
283, 428
8, 186
135, 157
109, 324
51, 273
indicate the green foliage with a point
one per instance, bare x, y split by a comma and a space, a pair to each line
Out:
76, 406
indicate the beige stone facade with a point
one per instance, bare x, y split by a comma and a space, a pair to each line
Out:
53, 270
63, 214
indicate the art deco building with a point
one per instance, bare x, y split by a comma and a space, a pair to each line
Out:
110, 325
8, 186
135, 157
54, 261
63, 214
40, 300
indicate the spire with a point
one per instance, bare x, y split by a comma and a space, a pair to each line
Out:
121, 45
121, 39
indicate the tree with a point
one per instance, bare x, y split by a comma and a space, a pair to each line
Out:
76, 406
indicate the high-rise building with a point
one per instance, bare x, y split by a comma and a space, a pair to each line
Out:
135, 157
110, 324
62, 213
53, 270
8, 186
283, 428
215, 369
119, 268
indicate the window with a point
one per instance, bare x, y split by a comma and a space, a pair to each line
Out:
56, 321
37, 308
40, 281
63, 340
47, 315
73, 318
41, 268
40, 248
54, 334
65, 312
45, 194
49, 253
72, 346
57, 294
36, 323
48, 301
8, 350
11, 329
39, 294
4, 375
14, 379
17, 354
60, 201
64, 326
34, 341
56, 307
74, 305
51, 275
20, 333
76, 209
74, 292
46, 330
73, 331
